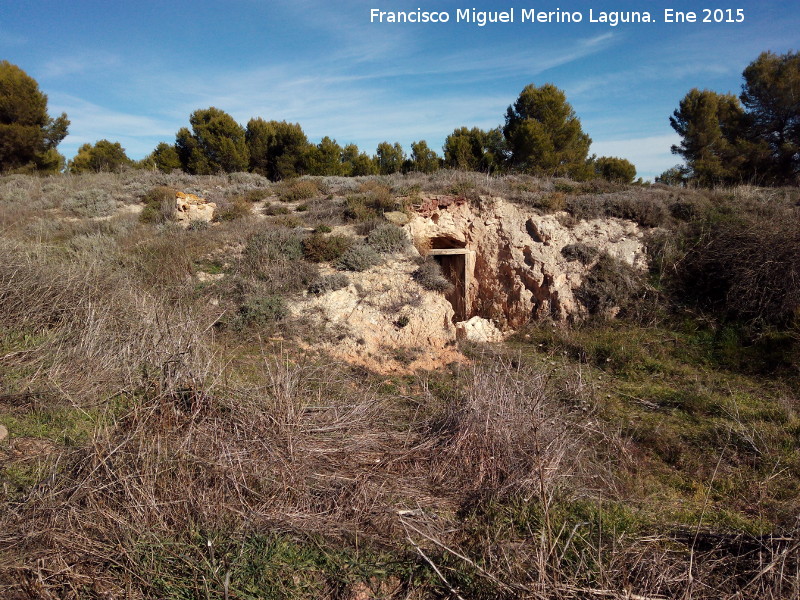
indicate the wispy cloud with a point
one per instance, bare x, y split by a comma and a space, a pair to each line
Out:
651, 155
90, 122
80, 63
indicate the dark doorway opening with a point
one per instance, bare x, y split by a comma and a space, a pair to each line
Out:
454, 269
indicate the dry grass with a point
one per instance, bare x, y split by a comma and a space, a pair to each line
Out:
207, 450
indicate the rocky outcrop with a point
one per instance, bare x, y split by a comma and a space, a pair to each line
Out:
189, 208
520, 272
384, 320
515, 266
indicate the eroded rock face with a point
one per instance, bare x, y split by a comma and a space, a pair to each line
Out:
385, 321
514, 271
189, 207
520, 272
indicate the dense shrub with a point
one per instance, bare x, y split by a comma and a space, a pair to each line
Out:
298, 190
90, 203
235, 208
256, 195
275, 209
356, 209
359, 257
159, 205
325, 248
388, 238
260, 311
429, 275
644, 209
743, 266
373, 200
610, 284
366, 227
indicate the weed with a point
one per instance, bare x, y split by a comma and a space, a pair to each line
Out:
329, 283
325, 248
359, 257
429, 275
276, 209
299, 189
388, 238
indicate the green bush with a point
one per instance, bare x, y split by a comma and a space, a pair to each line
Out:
359, 257
259, 311
616, 169
429, 275
322, 229
388, 238
322, 248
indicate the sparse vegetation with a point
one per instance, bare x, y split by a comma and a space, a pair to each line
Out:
359, 257
388, 238
429, 275
173, 436
329, 283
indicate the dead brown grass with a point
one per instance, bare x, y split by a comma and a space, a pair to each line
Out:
496, 480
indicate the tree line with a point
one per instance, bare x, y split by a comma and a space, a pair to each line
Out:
753, 138
541, 135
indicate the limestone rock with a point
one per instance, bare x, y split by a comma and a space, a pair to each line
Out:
384, 320
519, 272
3, 432
478, 329
189, 207
396, 217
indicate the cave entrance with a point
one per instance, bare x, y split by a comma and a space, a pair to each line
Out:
457, 266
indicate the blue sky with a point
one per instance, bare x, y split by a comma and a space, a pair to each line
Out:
134, 72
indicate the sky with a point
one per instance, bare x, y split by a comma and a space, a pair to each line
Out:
134, 72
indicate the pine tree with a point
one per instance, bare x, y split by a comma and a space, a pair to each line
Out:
215, 144
28, 136
543, 133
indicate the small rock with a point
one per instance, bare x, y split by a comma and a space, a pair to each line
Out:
396, 217
3, 432
478, 329
189, 207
